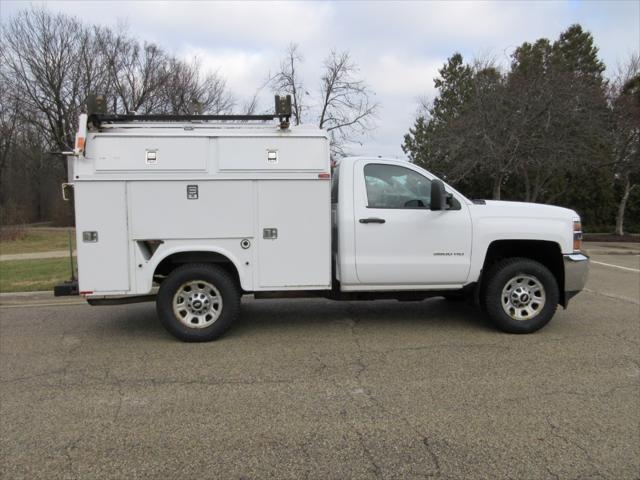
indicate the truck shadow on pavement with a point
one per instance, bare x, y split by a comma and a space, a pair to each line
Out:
433, 313
311, 316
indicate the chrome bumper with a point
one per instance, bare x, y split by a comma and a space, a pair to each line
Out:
576, 271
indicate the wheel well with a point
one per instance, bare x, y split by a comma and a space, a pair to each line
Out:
170, 263
546, 252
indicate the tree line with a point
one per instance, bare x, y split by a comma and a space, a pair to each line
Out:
549, 128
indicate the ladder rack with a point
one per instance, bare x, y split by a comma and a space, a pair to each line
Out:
96, 115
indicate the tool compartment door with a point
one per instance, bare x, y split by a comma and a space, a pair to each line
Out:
103, 265
300, 212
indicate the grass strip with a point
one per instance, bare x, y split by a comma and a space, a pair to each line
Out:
33, 275
35, 240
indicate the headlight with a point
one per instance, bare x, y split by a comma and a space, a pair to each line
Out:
577, 235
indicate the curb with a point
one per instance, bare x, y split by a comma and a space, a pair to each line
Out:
35, 299
609, 252
13, 257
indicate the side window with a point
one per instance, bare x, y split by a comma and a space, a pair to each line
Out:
391, 186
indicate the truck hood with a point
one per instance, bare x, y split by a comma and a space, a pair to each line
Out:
501, 208
499, 220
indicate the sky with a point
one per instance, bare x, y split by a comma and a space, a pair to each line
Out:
398, 46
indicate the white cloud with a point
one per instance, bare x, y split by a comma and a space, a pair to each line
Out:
213, 24
402, 75
244, 71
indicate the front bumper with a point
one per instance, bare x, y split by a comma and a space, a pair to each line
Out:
576, 271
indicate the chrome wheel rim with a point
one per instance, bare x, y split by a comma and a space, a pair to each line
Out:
197, 304
523, 297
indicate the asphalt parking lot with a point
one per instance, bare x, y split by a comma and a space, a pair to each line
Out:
317, 389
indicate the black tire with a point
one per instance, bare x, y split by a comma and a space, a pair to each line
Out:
177, 281
509, 274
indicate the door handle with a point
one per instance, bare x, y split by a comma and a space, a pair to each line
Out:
372, 220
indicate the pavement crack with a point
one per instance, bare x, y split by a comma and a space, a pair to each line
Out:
606, 393
375, 468
434, 456
67, 453
307, 459
552, 473
31, 377
362, 367
118, 383
555, 432
322, 365
360, 363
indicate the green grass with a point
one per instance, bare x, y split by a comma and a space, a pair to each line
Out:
38, 240
33, 275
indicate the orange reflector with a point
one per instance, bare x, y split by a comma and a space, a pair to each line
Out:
324, 176
86, 292
577, 244
80, 143
577, 236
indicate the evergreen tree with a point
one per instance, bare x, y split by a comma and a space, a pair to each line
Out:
539, 132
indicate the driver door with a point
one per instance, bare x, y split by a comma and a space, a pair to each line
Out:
399, 240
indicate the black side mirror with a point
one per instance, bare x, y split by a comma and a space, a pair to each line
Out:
438, 195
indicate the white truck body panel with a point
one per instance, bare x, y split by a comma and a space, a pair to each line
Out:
499, 220
104, 264
128, 197
299, 257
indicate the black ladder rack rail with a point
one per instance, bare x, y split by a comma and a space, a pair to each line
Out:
283, 113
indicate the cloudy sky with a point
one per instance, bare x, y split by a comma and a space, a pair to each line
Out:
398, 46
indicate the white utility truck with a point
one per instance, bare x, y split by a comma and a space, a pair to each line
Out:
196, 211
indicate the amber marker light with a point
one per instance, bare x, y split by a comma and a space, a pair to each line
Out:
577, 236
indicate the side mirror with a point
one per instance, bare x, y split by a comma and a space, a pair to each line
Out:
438, 195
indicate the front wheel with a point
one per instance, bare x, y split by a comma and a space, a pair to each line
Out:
521, 295
198, 302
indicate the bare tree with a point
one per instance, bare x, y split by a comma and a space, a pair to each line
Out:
187, 91
9, 124
42, 57
287, 81
347, 108
137, 72
250, 106
492, 119
625, 101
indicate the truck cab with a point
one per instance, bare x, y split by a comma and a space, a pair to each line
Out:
399, 228
388, 235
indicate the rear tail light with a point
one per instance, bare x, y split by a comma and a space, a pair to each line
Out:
577, 236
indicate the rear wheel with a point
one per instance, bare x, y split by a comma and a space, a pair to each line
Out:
521, 295
198, 302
